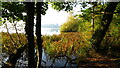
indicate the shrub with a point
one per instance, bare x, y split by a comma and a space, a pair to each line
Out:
71, 25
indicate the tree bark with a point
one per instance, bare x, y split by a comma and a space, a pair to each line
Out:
104, 25
38, 31
30, 33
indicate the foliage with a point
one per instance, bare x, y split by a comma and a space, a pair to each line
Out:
111, 39
67, 6
85, 27
9, 46
53, 44
15, 11
69, 43
112, 33
8, 12
71, 25
73, 43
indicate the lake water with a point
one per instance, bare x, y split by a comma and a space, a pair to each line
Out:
50, 31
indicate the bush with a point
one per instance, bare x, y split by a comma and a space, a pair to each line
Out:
71, 25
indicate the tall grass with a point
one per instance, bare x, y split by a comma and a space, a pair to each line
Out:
69, 43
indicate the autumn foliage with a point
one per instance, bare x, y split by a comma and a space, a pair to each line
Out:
71, 43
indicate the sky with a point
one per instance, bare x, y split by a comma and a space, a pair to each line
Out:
54, 17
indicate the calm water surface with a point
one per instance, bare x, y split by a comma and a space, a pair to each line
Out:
50, 31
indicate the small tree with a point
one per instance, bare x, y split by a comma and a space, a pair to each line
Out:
71, 25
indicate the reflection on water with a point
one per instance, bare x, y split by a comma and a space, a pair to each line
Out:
46, 61
50, 31
60, 61
21, 62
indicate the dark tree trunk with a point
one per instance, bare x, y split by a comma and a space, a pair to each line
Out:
30, 34
104, 25
38, 31
14, 57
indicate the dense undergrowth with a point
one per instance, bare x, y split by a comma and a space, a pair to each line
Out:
71, 43
78, 44
11, 42
68, 43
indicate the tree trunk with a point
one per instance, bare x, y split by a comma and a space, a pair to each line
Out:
14, 57
38, 31
104, 25
30, 34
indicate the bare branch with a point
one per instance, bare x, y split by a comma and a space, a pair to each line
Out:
13, 42
17, 33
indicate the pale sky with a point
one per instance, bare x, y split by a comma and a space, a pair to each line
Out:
54, 17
